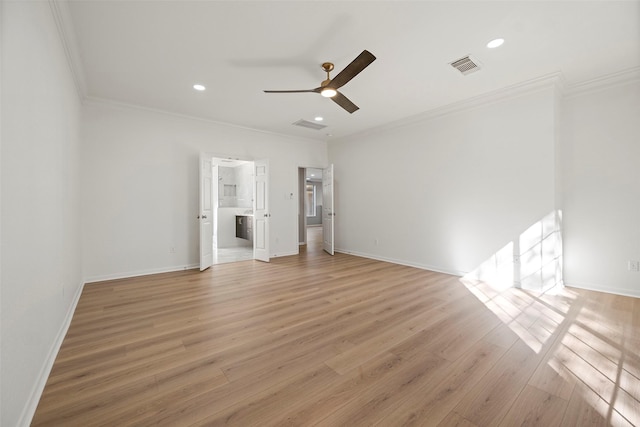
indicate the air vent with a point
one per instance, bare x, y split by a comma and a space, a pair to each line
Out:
307, 124
466, 65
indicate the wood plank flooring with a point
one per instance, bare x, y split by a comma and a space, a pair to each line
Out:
342, 341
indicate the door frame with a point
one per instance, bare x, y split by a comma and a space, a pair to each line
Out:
300, 206
205, 211
212, 155
328, 209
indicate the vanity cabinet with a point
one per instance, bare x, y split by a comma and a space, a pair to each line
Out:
244, 227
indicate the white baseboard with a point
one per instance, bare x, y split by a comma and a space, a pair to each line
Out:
127, 275
586, 286
137, 273
402, 262
284, 254
29, 409
606, 289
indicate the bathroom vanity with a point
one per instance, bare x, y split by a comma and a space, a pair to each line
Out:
244, 227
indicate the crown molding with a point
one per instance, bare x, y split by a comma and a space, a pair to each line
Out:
555, 81
619, 78
547, 81
123, 106
62, 17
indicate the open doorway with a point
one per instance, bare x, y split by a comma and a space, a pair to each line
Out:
310, 206
233, 198
234, 210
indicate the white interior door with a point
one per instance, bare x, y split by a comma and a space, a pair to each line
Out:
206, 213
328, 214
261, 213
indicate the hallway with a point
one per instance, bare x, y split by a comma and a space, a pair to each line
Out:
314, 241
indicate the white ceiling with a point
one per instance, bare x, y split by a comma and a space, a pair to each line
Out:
150, 53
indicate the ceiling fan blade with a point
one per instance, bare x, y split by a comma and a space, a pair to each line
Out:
345, 103
357, 65
316, 90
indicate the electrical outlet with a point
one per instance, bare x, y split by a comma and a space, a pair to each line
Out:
375, 242
172, 250
634, 266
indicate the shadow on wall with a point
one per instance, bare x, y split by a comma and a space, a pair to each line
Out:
532, 261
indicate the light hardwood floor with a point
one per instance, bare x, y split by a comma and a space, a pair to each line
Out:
342, 341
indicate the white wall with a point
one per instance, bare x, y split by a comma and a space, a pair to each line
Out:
140, 186
602, 189
447, 193
471, 189
41, 261
241, 177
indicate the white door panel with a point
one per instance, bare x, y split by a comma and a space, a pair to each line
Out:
261, 213
328, 214
206, 213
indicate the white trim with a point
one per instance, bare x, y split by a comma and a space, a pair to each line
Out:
285, 254
585, 286
64, 23
95, 101
619, 78
402, 262
555, 81
547, 81
129, 274
604, 289
29, 409
67, 33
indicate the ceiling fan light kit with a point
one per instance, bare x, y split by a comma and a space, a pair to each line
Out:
329, 87
327, 92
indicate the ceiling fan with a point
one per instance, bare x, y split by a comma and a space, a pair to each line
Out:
329, 87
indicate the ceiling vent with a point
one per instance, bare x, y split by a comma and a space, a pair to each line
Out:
307, 124
466, 65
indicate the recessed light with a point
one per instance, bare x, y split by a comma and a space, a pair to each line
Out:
495, 43
318, 119
199, 87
